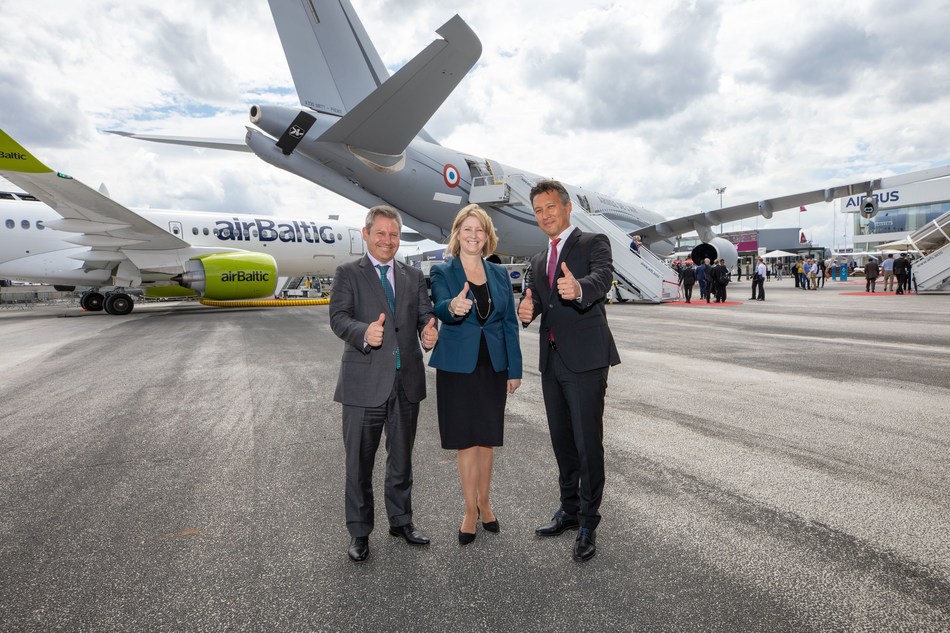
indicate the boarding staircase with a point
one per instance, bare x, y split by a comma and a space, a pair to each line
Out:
932, 272
642, 274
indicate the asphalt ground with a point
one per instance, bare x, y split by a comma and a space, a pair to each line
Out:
771, 466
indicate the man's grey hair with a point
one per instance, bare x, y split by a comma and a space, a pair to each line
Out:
385, 211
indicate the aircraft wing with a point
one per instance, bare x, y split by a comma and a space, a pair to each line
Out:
703, 222
102, 224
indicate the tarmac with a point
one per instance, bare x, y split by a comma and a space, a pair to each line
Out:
771, 466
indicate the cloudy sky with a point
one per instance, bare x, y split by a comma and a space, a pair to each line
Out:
654, 102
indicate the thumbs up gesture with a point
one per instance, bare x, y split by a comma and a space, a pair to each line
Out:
374, 333
526, 308
461, 305
430, 335
567, 286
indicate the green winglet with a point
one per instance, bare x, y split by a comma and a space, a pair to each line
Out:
14, 158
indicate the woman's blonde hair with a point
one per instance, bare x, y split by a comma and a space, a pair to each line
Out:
491, 242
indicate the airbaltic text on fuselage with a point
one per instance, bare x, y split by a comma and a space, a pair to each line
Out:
13, 155
269, 231
245, 275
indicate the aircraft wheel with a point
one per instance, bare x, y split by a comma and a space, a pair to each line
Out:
91, 301
119, 304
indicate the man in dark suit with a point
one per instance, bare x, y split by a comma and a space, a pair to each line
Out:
378, 307
566, 284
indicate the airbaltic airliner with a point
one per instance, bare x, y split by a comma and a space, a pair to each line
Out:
66, 234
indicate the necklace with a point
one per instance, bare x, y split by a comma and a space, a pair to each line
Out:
478, 312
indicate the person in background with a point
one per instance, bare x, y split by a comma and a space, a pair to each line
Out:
887, 267
900, 271
477, 359
758, 280
687, 279
702, 276
871, 271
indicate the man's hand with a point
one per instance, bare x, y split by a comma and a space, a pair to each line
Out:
513, 384
526, 308
461, 304
568, 287
374, 333
430, 335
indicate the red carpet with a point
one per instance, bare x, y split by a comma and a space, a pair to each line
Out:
703, 304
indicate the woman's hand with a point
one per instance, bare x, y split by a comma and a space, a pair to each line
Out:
513, 385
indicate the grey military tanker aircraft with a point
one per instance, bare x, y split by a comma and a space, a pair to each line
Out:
360, 134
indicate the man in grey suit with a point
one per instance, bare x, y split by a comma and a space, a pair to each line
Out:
566, 285
381, 309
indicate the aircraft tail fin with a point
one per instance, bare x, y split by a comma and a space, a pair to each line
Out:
387, 120
337, 70
332, 60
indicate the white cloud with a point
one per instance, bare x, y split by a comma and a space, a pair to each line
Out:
654, 102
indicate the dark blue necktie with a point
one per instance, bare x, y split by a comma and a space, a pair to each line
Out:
390, 297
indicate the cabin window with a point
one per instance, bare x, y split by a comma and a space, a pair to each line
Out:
39, 225
194, 230
25, 224
205, 230
11, 224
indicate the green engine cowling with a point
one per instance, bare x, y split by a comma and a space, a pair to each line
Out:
230, 276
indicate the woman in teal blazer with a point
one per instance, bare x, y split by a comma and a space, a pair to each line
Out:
477, 358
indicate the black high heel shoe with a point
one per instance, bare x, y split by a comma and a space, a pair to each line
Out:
466, 537
490, 526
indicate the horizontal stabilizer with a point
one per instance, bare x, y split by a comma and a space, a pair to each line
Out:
387, 120
191, 141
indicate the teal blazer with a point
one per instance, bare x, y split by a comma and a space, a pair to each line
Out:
459, 337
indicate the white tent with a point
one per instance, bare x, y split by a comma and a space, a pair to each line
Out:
775, 254
902, 244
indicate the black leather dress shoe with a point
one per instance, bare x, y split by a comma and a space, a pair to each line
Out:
584, 548
410, 533
359, 548
560, 522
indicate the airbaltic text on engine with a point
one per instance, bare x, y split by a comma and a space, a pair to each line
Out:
245, 275
269, 231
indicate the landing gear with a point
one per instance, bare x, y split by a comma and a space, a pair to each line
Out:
91, 301
119, 304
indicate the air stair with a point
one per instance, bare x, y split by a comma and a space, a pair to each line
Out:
932, 272
642, 274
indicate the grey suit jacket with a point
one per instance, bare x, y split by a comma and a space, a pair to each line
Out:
367, 374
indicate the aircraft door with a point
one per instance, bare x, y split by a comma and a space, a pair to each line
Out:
175, 228
356, 242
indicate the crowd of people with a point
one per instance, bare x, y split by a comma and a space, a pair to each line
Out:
810, 273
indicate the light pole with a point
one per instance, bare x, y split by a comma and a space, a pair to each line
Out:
720, 191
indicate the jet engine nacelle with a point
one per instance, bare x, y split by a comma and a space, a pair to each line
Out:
230, 276
716, 248
869, 208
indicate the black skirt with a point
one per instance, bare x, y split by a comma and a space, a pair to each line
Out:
472, 406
